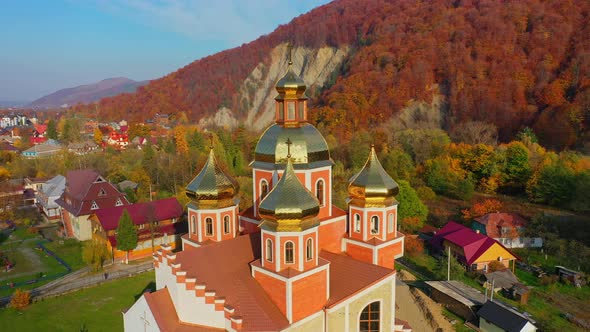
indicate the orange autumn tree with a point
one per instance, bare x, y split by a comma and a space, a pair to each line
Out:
413, 246
20, 299
482, 208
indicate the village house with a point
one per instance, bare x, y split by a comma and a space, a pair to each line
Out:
158, 223
506, 228
495, 316
291, 262
49, 148
85, 191
47, 193
474, 250
82, 148
38, 136
118, 140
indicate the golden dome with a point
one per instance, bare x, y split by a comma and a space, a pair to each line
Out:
291, 85
212, 186
289, 206
372, 185
309, 148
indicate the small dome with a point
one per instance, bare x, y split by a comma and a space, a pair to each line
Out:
309, 147
372, 182
291, 82
289, 206
212, 184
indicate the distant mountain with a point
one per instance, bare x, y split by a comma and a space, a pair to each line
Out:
87, 93
368, 63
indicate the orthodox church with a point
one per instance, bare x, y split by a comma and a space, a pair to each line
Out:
292, 261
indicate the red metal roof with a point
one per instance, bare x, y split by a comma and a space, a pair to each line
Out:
473, 244
494, 222
140, 213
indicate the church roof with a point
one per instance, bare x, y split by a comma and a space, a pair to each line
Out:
372, 181
289, 205
212, 183
225, 267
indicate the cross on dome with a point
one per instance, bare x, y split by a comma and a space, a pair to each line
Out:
288, 142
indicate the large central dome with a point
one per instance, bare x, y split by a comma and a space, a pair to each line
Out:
309, 148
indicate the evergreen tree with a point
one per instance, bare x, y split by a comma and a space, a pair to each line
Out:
410, 204
126, 235
51, 129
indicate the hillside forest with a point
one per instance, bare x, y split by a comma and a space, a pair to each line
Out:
512, 64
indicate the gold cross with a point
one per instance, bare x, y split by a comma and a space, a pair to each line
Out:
289, 50
289, 147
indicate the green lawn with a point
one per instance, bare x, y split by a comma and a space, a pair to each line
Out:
98, 308
70, 251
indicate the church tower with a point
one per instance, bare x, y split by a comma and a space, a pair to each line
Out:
309, 151
372, 234
213, 209
290, 270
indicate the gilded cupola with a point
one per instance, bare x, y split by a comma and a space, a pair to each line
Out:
372, 186
212, 187
289, 206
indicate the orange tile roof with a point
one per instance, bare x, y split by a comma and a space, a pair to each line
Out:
349, 276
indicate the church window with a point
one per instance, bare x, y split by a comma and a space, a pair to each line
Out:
390, 223
357, 223
194, 224
269, 250
226, 225
289, 252
281, 111
208, 227
102, 192
319, 190
301, 110
309, 249
369, 319
94, 206
119, 202
374, 225
263, 189
291, 110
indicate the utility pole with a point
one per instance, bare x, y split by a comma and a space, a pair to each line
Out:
449, 264
492, 291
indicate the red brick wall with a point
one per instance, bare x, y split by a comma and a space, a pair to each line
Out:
311, 263
275, 289
351, 217
331, 235
296, 248
325, 175
213, 216
386, 256
359, 253
309, 295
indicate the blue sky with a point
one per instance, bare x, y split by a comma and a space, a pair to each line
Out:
48, 45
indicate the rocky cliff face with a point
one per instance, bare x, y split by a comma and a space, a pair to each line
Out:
257, 92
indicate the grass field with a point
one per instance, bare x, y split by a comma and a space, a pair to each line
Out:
98, 308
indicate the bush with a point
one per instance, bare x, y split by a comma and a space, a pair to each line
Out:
496, 266
20, 299
413, 246
426, 193
548, 280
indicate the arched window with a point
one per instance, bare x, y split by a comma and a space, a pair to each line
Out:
289, 252
319, 191
226, 225
357, 223
263, 189
281, 111
269, 250
194, 224
208, 226
374, 225
369, 319
301, 110
309, 250
390, 222
291, 110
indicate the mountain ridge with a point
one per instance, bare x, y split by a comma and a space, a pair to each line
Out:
87, 93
